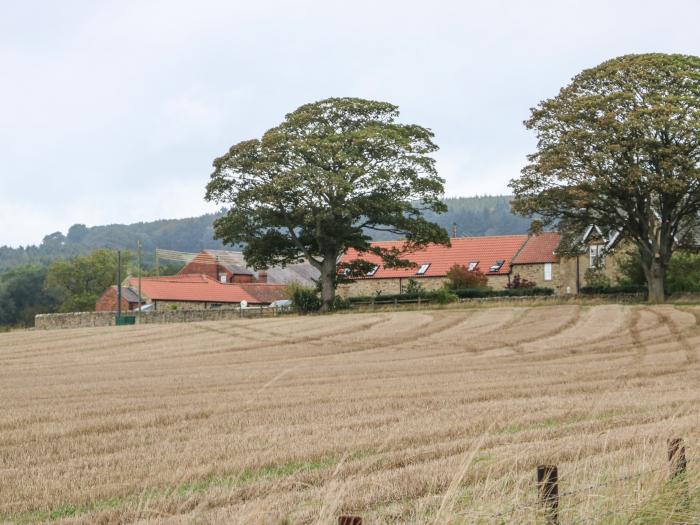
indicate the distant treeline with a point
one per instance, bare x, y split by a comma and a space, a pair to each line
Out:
190, 235
487, 215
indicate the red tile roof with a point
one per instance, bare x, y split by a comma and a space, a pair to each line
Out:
201, 288
539, 249
486, 250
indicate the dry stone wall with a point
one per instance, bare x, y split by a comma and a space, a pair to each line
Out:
87, 319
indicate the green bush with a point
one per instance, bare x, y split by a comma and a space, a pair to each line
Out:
596, 278
443, 296
683, 273
340, 303
414, 286
303, 299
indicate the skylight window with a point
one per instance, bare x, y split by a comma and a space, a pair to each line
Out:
472, 265
423, 268
372, 271
496, 266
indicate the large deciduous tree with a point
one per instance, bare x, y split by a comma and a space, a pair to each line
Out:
619, 147
311, 187
78, 282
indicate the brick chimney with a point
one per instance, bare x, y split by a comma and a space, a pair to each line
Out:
262, 276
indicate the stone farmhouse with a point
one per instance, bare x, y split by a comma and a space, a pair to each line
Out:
499, 258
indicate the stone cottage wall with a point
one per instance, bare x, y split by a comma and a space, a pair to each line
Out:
369, 287
535, 274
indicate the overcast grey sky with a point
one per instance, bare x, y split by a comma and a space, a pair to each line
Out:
113, 111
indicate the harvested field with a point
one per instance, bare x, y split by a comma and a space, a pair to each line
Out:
401, 417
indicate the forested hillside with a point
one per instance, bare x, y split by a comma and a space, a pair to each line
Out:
488, 215
193, 234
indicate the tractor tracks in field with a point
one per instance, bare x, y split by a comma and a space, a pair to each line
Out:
680, 337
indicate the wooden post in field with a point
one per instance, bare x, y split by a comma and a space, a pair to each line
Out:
676, 457
349, 520
548, 492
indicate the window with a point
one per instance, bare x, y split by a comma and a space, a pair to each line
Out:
423, 268
222, 277
372, 271
496, 266
472, 265
596, 256
215, 305
547, 271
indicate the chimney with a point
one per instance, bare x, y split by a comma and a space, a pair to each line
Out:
262, 276
454, 230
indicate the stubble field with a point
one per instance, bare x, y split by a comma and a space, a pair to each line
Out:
400, 417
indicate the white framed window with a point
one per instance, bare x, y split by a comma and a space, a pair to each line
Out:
472, 265
596, 255
372, 271
547, 271
423, 268
222, 278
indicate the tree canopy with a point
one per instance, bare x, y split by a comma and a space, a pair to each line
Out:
619, 147
78, 282
22, 295
314, 186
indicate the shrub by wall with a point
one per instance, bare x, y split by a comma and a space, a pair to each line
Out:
619, 289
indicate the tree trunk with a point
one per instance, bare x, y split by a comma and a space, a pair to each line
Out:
328, 276
655, 282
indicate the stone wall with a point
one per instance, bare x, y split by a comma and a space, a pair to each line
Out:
74, 320
568, 272
535, 274
88, 319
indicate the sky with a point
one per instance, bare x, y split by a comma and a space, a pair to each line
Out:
112, 111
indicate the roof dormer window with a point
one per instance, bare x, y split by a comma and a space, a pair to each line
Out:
495, 267
423, 268
372, 271
472, 265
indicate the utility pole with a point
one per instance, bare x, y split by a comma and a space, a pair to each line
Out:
119, 285
138, 251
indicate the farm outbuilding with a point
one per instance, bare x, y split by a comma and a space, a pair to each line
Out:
229, 266
191, 292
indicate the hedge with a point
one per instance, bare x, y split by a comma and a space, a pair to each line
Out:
605, 290
473, 293
469, 293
